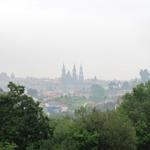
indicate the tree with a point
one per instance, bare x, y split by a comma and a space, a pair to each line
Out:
23, 126
7, 146
21, 119
97, 92
107, 130
93, 130
145, 75
136, 105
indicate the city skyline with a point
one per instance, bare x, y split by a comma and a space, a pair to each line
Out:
110, 39
74, 75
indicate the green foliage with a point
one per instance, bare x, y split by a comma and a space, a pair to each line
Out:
22, 122
109, 130
145, 75
72, 102
136, 106
21, 119
93, 130
40, 145
7, 146
97, 92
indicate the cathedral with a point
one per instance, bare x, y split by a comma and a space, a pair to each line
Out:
72, 78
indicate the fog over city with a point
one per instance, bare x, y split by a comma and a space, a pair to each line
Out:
74, 74
109, 38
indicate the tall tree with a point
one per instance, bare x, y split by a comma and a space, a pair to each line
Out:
145, 75
136, 105
21, 119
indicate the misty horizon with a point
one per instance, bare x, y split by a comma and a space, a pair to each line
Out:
110, 39
12, 74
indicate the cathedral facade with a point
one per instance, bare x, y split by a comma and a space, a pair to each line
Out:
73, 78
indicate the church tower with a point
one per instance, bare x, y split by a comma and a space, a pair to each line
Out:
63, 74
74, 75
68, 78
81, 76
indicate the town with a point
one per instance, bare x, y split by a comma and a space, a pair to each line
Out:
72, 90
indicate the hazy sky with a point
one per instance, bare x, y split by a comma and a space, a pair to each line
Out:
110, 38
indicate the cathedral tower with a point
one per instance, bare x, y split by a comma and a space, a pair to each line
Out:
63, 74
74, 75
81, 76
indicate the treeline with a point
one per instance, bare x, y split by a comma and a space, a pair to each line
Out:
24, 126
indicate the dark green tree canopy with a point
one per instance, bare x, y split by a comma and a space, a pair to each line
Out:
136, 106
21, 119
24, 126
93, 130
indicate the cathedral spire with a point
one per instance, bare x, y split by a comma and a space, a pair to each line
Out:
63, 75
68, 77
81, 76
74, 75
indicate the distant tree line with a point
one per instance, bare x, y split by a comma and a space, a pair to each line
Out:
145, 75
24, 126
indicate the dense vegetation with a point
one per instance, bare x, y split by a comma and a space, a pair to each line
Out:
72, 102
21, 119
24, 126
136, 106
